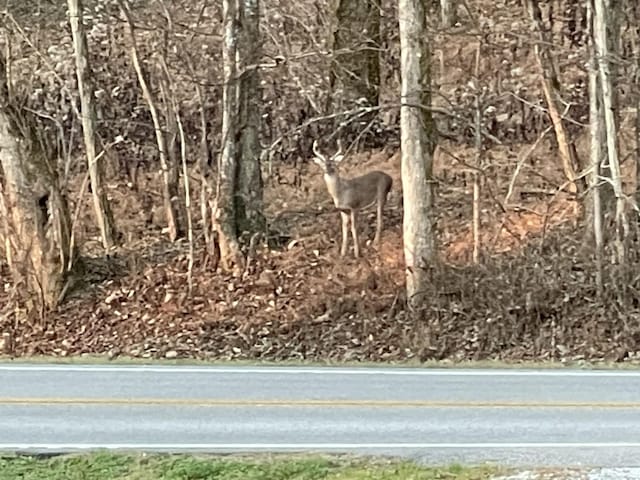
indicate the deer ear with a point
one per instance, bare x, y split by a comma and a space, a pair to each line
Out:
318, 162
338, 158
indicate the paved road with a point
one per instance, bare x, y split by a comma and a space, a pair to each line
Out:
518, 417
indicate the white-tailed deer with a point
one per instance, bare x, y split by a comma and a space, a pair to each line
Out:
350, 195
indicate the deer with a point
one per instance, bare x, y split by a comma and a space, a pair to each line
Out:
350, 195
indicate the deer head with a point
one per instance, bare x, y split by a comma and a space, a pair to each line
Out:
329, 166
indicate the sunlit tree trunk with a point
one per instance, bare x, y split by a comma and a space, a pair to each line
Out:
224, 220
36, 227
101, 206
417, 134
596, 131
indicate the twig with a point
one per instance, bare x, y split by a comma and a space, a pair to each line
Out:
523, 159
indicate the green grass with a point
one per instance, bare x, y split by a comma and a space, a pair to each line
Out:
107, 466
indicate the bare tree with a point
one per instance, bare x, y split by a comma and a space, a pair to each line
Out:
101, 206
355, 76
417, 134
35, 217
224, 220
601, 32
249, 195
170, 187
636, 20
448, 12
596, 133
553, 95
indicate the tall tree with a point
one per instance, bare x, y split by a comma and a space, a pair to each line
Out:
596, 132
225, 218
604, 21
36, 233
249, 195
355, 75
417, 144
448, 12
101, 206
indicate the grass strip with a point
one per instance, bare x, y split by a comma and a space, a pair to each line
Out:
114, 466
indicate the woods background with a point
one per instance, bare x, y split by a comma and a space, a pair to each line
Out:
518, 271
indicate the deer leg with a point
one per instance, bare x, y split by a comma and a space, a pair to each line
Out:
378, 235
354, 233
345, 233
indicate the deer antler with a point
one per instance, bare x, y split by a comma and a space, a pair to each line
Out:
338, 154
317, 153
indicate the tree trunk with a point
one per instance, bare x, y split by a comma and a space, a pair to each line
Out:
173, 146
448, 16
36, 225
249, 196
636, 18
355, 74
596, 131
417, 133
101, 207
225, 210
602, 42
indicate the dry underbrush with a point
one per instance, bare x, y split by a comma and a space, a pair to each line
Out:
532, 298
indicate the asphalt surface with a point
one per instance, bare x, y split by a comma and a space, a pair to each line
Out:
514, 417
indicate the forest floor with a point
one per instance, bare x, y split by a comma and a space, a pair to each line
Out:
299, 300
532, 297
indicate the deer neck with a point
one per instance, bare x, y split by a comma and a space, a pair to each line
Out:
334, 185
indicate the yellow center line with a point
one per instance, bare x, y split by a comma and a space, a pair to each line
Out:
196, 402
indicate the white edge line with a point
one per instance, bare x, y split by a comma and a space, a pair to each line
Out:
305, 446
391, 371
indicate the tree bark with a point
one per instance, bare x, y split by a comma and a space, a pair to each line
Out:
596, 133
417, 134
36, 224
636, 19
225, 209
249, 196
355, 75
101, 207
602, 43
448, 16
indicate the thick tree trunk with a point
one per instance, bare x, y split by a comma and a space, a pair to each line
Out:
355, 76
101, 207
249, 195
36, 225
417, 133
225, 210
